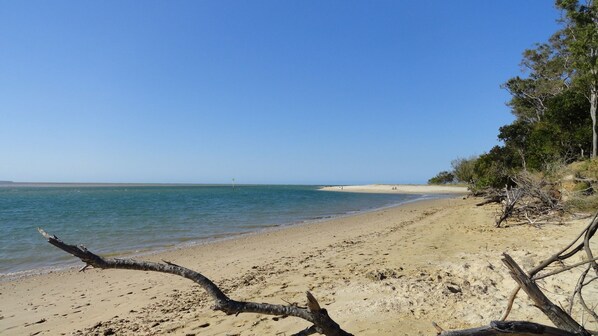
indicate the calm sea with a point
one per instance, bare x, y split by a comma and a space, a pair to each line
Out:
124, 220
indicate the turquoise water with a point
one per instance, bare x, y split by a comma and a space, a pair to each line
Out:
143, 219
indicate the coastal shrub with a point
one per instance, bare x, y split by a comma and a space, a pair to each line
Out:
588, 169
464, 169
493, 169
444, 177
583, 203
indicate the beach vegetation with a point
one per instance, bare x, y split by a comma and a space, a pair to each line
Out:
587, 169
444, 177
464, 169
580, 40
550, 102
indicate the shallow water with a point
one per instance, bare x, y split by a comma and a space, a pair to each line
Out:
140, 219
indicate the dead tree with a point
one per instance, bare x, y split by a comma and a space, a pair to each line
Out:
321, 322
511, 198
512, 328
581, 244
557, 315
531, 200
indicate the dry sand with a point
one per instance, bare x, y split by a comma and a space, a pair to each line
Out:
399, 189
388, 272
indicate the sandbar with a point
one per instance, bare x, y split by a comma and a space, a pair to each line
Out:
399, 189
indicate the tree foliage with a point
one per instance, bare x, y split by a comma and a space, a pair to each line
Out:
463, 169
444, 177
550, 103
581, 40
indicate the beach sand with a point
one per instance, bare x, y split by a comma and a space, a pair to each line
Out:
399, 189
387, 272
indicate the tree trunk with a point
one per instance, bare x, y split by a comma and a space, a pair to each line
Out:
511, 328
558, 316
593, 103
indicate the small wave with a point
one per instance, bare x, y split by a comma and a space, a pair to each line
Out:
258, 226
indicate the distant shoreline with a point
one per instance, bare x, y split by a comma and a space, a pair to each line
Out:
92, 184
4, 184
398, 189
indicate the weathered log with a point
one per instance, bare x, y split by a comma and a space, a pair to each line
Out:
511, 328
560, 318
491, 199
561, 255
322, 322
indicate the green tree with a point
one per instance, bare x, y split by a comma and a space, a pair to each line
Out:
581, 39
493, 169
444, 177
563, 134
548, 70
463, 169
573, 134
515, 136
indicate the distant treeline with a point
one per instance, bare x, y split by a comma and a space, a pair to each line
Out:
554, 104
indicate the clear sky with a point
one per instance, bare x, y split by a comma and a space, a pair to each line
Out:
300, 92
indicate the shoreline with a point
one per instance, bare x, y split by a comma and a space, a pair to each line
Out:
415, 189
130, 217
257, 230
375, 272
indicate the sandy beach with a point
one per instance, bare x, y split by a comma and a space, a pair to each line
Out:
399, 189
388, 272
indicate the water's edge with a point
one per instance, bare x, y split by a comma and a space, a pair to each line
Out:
257, 230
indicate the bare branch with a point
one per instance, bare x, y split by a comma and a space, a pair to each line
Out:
578, 290
510, 303
513, 328
560, 319
590, 230
563, 269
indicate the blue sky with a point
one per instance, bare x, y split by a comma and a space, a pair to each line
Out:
301, 92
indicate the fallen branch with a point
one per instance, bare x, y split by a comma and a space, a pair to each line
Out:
564, 269
561, 255
530, 199
491, 199
560, 318
322, 322
511, 328
512, 197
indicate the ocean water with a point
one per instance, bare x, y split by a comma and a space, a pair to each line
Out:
135, 220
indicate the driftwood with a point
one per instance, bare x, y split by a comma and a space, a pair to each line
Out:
322, 322
558, 316
511, 328
512, 197
495, 198
565, 324
530, 200
580, 243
